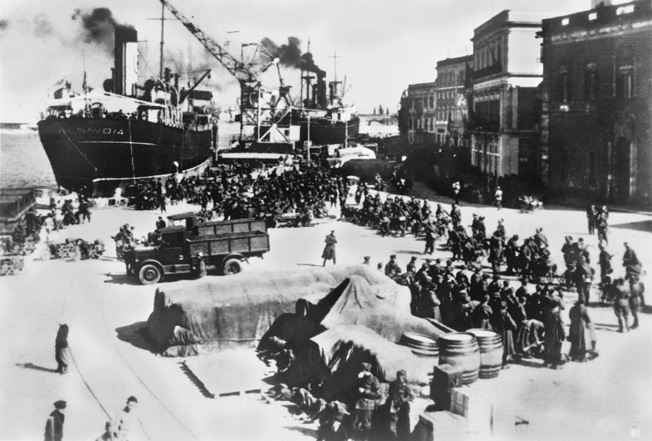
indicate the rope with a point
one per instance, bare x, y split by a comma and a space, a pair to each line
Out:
77, 149
88, 386
131, 149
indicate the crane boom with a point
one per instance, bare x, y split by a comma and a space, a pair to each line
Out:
244, 73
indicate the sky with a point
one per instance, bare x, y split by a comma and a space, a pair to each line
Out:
382, 46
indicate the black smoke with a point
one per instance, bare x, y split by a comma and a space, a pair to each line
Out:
290, 55
98, 26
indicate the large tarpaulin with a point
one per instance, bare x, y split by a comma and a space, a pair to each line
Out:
335, 356
355, 302
213, 313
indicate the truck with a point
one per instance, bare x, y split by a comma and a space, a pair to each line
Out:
224, 245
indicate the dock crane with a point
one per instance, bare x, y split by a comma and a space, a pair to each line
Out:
260, 107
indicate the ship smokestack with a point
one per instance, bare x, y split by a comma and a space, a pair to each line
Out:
322, 100
126, 60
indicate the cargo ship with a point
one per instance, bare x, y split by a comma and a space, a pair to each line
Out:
323, 117
98, 141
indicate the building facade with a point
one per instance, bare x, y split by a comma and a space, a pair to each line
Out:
451, 98
596, 102
418, 106
504, 121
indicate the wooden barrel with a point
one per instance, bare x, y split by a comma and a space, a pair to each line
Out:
461, 350
421, 345
491, 352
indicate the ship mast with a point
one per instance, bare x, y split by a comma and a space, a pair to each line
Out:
162, 44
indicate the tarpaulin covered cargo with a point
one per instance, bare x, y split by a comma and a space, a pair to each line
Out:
213, 313
335, 356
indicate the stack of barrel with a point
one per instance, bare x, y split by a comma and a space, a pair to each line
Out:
463, 358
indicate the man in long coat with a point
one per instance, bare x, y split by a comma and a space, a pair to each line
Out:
581, 334
329, 248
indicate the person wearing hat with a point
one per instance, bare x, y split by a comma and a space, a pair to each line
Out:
581, 333
512, 254
397, 407
392, 269
554, 330
54, 424
367, 394
329, 248
160, 223
412, 266
200, 266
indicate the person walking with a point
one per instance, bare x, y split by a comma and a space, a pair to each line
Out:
61, 349
498, 196
329, 248
54, 424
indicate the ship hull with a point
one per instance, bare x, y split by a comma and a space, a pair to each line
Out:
324, 131
86, 151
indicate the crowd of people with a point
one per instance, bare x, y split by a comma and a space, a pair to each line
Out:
460, 292
365, 412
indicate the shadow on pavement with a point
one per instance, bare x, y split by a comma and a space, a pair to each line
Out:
303, 430
645, 225
121, 279
35, 367
136, 335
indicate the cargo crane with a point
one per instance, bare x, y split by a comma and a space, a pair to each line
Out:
260, 108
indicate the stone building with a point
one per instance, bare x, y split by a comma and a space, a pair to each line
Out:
596, 102
504, 121
452, 109
418, 112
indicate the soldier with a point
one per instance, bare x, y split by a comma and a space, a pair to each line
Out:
398, 407
54, 424
61, 349
392, 269
621, 305
636, 298
329, 248
367, 393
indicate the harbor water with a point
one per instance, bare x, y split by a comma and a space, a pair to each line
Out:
23, 162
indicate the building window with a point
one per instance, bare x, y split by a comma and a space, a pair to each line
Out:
563, 85
625, 82
591, 82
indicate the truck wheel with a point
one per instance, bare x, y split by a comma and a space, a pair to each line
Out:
232, 266
149, 274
